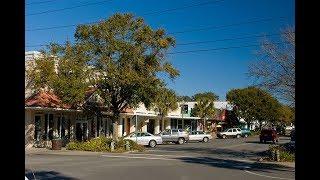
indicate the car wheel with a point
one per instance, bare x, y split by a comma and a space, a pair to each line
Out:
260, 140
152, 143
224, 136
238, 136
246, 135
180, 141
205, 139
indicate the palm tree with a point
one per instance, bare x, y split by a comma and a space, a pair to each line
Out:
166, 100
205, 106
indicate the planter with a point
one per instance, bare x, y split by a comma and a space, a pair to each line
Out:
56, 144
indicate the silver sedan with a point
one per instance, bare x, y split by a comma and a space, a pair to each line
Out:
199, 136
145, 138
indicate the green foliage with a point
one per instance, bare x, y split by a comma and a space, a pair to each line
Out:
252, 103
185, 98
133, 145
165, 100
287, 152
64, 70
102, 144
41, 73
205, 105
126, 55
73, 145
287, 114
97, 144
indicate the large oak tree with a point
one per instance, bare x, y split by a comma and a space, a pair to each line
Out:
252, 104
126, 56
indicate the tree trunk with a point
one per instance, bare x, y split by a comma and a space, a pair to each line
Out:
115, 122
162, 124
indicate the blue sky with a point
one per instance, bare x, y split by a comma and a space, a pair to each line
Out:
216, 70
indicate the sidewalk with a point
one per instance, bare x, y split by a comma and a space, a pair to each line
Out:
287, 164
63, 151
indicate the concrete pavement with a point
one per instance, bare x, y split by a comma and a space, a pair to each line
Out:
219, 159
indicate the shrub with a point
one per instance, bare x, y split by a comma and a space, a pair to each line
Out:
287, 156
102, 144
286, 151
73, 145
133, 145
96, 144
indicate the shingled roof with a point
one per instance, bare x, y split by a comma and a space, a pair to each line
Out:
48, 99
45, 99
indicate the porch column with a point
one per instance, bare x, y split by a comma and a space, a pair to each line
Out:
132, 124
168, 124
124, 126
144, 126
72, 127
156, 126
120, 126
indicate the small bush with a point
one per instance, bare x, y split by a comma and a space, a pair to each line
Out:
287, 153
102, 144
287, 156
73, 146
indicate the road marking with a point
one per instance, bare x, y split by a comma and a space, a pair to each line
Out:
161, 155
273, 177
135, 157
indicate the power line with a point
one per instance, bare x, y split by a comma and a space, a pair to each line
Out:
221, 48
68, 8
177, 32
40, 2
198, 42
229, 25
149, 13
227, 39
183, 7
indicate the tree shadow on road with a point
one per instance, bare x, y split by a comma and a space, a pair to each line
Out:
234, 164
221, 152
46, 175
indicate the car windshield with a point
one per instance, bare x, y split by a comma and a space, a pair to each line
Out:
130, 135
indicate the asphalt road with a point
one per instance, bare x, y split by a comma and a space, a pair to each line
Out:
218, 159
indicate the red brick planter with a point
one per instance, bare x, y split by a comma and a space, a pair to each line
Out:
56, 144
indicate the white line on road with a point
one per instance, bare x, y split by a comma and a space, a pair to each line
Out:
161, 155
135, 157
273, 177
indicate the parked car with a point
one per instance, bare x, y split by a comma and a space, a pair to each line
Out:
245, 132
231, 132
199, 136
144, 138
178, 136
269, 135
